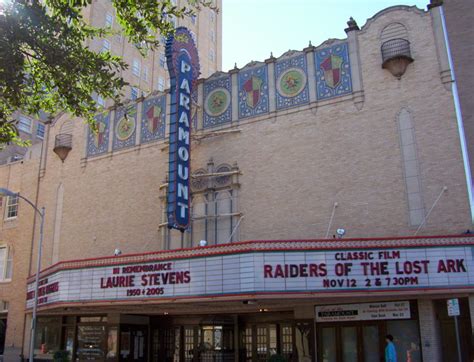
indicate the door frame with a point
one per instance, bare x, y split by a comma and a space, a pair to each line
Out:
360, 343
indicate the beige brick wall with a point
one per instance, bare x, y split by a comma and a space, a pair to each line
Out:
17, 234
429, 331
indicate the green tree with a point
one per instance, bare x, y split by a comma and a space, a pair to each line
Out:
46, 66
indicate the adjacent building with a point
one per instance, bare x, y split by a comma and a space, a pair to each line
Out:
330, 206
145, 74
459, 18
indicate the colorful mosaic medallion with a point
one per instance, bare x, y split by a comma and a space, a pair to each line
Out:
291, 82
125, 128
217, 102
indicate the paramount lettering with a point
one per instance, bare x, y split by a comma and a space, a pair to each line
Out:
183, 172
183, 135
182, 191
183, 153
183, 67
184, 119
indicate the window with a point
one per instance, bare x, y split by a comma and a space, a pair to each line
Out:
100, 101
134, 93
24, 124
109, 20
40, 130
193, 19
212, 35
211, 55
145, 73
212, 16
12, 207
161, 84
3, 306
162, 60
173, 21
214, 207
105, 45
136, 67
6, 264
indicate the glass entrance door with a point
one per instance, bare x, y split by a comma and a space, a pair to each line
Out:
133, 343
328, 345
371, 342
217, 344
349, 343
350, 349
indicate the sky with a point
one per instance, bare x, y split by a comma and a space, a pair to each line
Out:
254, 28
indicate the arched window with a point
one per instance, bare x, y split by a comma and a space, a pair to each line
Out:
215, 216
393, 31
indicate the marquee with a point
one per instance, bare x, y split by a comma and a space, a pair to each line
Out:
254, 268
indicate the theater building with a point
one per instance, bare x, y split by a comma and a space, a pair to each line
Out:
329, 206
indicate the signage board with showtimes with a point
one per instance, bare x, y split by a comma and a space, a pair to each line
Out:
269, 272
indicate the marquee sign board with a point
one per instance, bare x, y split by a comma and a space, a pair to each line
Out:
183, 66
363, 312
268, 272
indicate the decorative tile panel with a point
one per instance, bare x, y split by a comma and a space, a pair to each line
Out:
153, 119
98, 142
333, 71
125, 127
291, 80
253, 91
217, 102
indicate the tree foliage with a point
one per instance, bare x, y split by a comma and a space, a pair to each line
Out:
45, 64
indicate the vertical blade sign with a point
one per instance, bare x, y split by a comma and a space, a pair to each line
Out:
183, 67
